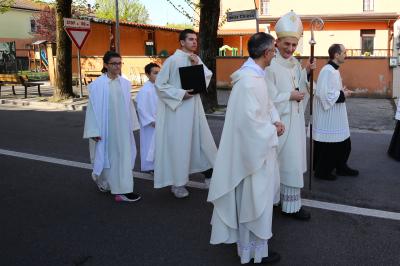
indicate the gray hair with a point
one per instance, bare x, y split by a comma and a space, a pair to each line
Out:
258, 43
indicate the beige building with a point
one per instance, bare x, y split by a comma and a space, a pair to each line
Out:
18, 24
365, 27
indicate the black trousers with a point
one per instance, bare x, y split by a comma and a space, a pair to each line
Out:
208, 173
394, 148
330, 155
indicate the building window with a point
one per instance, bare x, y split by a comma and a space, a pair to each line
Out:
367, 41
368, 5
264, 7
33, 25
149, 47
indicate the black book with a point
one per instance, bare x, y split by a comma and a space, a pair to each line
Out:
192, 78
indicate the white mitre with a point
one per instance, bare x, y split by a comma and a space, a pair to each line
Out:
289, 25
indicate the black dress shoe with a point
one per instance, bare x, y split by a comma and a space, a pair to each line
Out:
347, 171
208, 173
330, 177
300, 215
273, 257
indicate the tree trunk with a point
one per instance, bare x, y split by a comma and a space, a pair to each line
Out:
209, 18
63, 88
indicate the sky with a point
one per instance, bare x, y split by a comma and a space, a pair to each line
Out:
161, 11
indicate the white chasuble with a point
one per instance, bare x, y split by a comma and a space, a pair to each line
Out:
245, 180
286, 75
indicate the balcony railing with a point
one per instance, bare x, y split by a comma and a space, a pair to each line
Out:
375, 52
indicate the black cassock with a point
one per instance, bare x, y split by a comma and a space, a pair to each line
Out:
331, 155
394, 148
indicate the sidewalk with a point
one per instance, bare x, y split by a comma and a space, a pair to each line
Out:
7, 99
35, 101
365, 114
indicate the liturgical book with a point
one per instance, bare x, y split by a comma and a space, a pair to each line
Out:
192, 78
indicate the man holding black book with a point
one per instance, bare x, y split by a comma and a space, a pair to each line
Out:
184, 143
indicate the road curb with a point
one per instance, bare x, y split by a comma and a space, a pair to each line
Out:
72, 106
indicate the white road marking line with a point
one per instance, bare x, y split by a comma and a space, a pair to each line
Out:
306, 202
351, 209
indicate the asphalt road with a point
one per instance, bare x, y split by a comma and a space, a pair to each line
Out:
54, 215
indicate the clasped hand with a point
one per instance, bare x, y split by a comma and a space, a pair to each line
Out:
310, 65
280, 128
296, 96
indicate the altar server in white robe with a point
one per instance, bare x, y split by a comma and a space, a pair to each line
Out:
184, 143
147, 101
109, 125
289, 95
245, 181
331, 133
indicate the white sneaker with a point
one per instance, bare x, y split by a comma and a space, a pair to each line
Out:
179, 192
207, 182
101, 188
130, 197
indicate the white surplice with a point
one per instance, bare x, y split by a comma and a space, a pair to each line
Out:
147, 101
184, 143
330, 123
111, 115
245, 180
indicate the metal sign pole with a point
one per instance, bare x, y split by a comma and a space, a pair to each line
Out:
117, 45
80, 72
257, 25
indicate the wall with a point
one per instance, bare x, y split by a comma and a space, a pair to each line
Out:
349, 38
369, 77
21, 45
132, 68
132, 40
98, 41
308, 7
347, 33
16, 24
225, 67
327, 6
19, 31
234, 41
167, 40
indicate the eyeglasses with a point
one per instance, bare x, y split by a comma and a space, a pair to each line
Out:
272, 50
115, 64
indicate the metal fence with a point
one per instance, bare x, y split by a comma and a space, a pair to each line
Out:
375, 52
